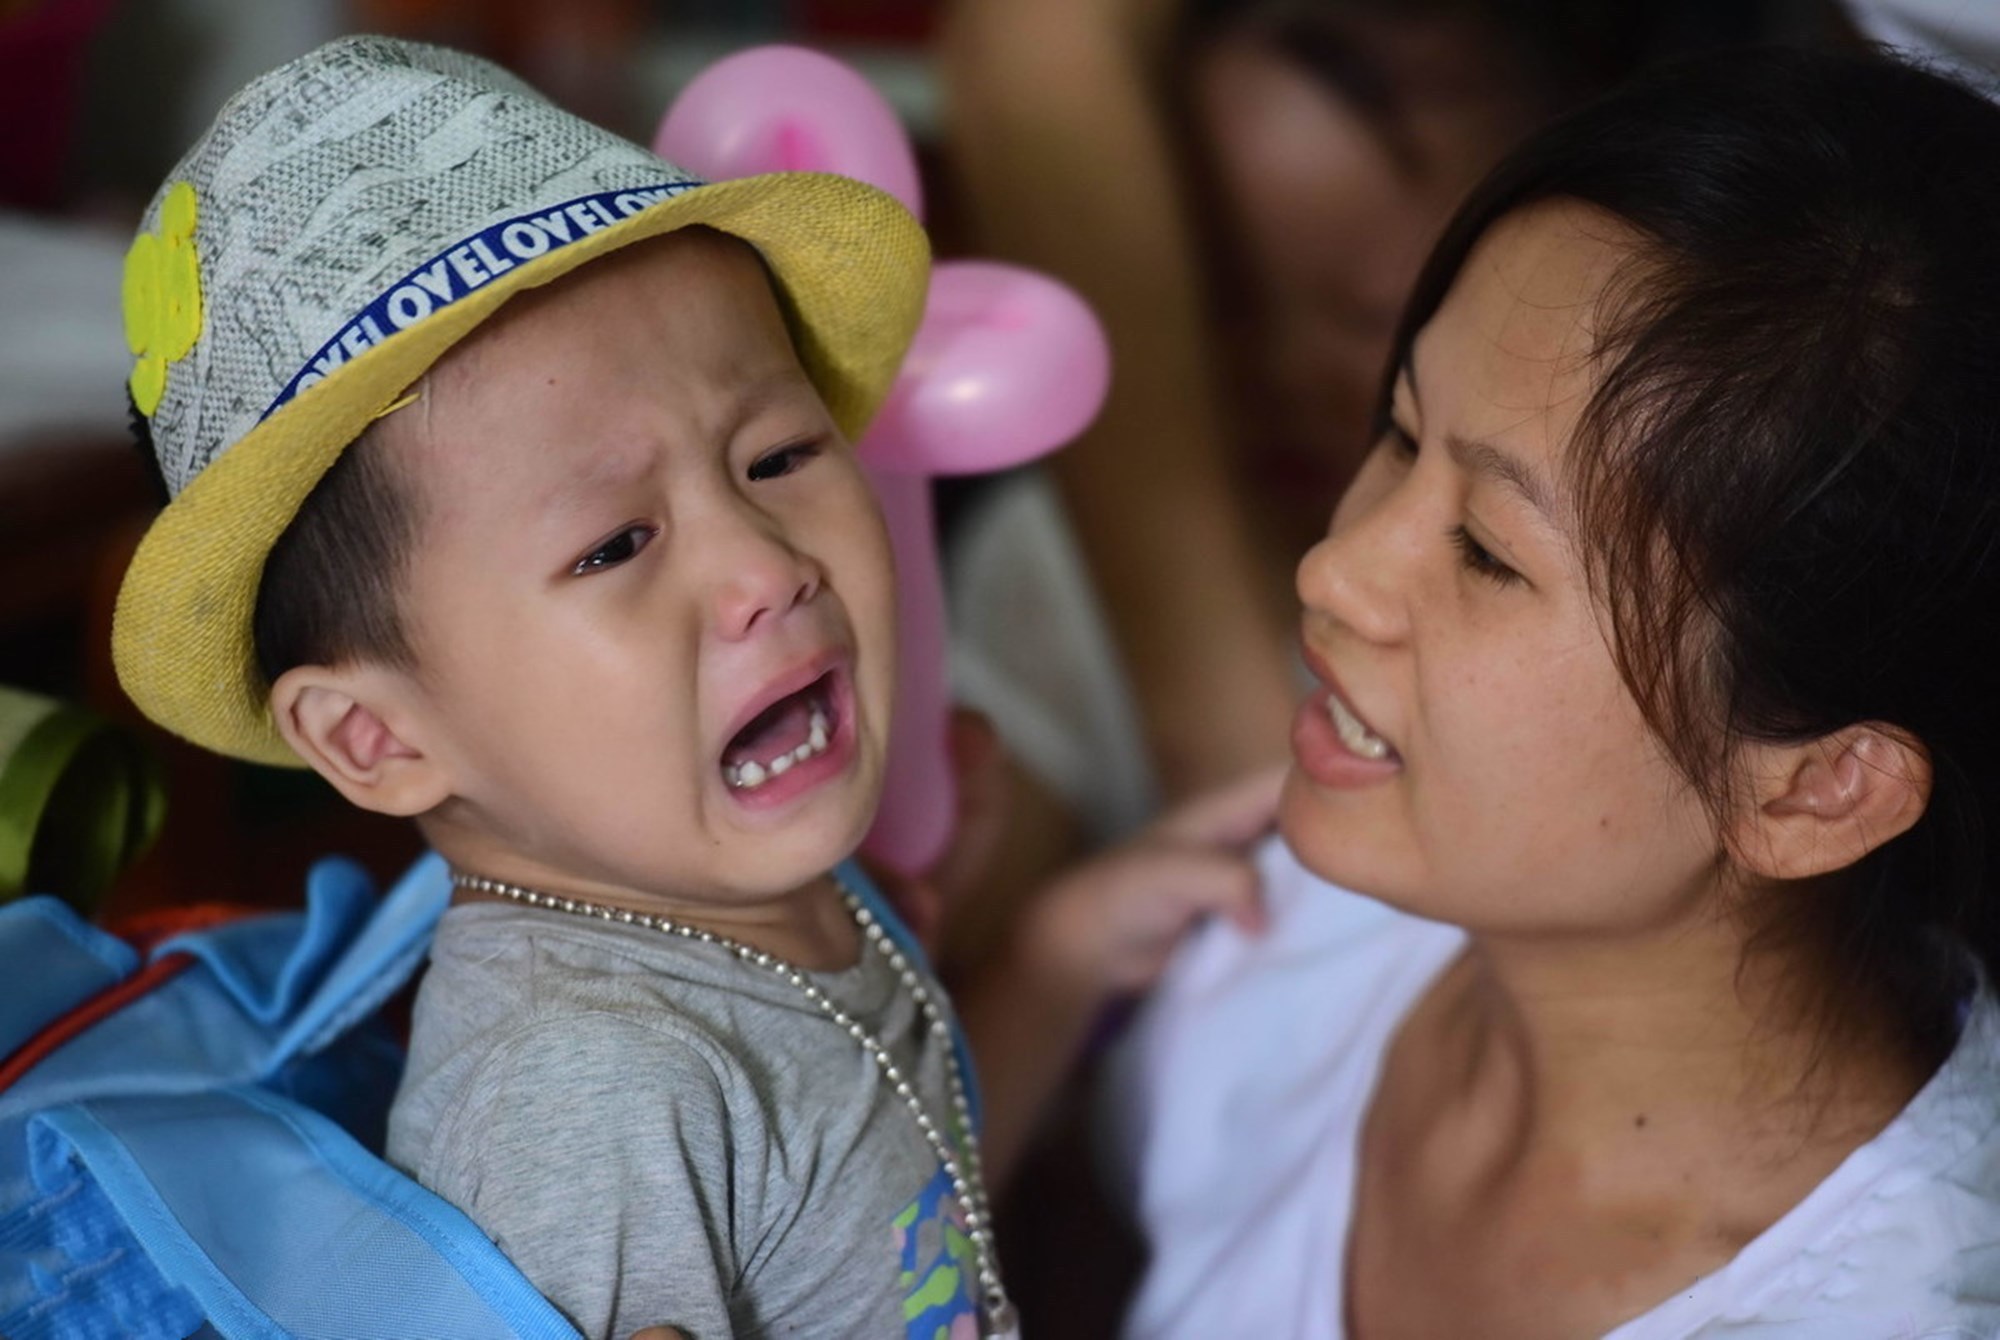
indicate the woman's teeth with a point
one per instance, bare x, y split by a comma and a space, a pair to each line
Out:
1357, 737
744, 776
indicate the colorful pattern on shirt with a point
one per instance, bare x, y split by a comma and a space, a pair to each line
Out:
940, 1299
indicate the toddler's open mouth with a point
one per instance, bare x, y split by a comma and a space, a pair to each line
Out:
792, 730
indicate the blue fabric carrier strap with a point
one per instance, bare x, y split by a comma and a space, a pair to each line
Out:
253, 1204
55, 960
352, 952
183, 1160
854, 877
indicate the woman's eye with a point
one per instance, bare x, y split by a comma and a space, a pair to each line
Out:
620, 547
1478, 558
783, 461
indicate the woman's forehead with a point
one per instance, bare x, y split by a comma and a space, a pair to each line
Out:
1510, 347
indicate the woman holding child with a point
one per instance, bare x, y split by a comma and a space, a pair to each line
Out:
1652, 714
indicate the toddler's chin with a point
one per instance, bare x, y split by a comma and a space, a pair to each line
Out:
802, 852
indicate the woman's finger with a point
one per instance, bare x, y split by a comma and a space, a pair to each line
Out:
1233, 815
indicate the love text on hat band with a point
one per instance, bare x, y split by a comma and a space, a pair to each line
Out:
470, 265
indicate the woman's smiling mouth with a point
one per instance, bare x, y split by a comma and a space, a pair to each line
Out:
1332, 742
1353, 732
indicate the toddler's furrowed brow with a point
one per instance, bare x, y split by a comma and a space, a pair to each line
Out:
785, 386
610, 472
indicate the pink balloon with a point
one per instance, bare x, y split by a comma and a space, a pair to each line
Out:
1008, 365
787, 109
919, 791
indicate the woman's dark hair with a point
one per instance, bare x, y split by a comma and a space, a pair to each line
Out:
1788, 478
329, 591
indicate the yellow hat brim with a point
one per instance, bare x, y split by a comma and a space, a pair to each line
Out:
851, 267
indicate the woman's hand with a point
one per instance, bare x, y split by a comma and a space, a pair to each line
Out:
1108, 927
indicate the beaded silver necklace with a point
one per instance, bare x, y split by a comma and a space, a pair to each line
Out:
967, 1178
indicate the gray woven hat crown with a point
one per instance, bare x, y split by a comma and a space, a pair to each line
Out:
350, 193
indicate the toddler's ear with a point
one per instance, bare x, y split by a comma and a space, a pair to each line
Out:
1824, 804
353, 726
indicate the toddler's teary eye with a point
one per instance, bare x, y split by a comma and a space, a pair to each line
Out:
783, 461
615, 550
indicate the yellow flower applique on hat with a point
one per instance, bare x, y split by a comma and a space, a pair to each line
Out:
162, 295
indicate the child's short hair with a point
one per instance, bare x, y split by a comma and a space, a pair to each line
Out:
1787, 483
329, 594
344, 223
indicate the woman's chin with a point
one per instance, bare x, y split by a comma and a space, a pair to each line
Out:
1340, 848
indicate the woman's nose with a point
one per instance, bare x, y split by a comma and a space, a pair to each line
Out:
1362, 572
759, 574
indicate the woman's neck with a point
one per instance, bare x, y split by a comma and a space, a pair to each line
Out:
1640, 1059
1585, 1127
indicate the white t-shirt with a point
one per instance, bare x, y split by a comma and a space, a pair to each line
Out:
1233, 1115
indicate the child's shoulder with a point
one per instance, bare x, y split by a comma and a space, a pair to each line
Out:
573, 1074
519, 1003
582, 1133
514, 997
499, 963
523, 1020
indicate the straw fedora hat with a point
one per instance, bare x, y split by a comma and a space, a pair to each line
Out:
345, 221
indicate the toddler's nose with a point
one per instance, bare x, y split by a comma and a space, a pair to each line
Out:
759, 577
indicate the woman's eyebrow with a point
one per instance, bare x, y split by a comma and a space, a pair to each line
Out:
1483, 458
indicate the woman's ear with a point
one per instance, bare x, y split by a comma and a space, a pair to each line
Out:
1822, 805
356, 727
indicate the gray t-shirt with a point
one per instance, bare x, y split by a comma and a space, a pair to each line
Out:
658, 1133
